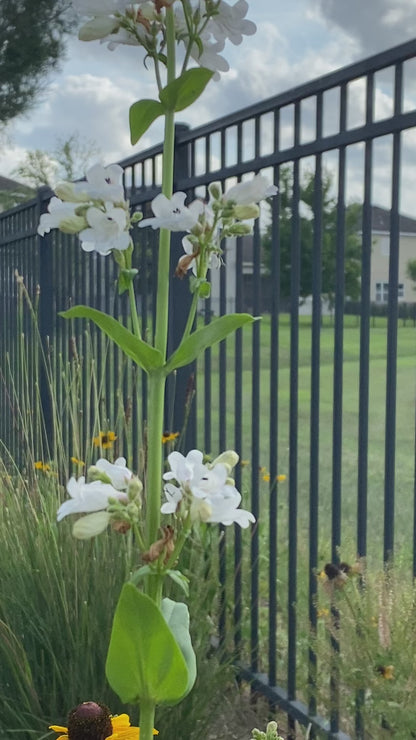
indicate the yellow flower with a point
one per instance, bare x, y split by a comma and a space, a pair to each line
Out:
281, 478
322, 613
169, 437
386, 671
122, 730
44, 467
78, 462
104, 440
266, 477
243, 463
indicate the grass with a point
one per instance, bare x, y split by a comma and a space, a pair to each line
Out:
57, 596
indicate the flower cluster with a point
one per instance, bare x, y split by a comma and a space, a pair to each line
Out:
95, 209
204, 492
202, 26
225, 215
94, 721
112, 495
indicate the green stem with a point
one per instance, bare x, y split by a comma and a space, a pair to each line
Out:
157, 378
147, 719
191, 315
133, 311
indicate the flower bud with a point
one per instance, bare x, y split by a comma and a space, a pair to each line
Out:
239, 230
95, 474
246, 211
134, 490
229, 458
215, 191
66, 191
72, 225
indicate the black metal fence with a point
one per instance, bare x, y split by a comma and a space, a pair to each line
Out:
312, 399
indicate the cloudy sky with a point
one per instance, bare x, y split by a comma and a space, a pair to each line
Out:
296, 40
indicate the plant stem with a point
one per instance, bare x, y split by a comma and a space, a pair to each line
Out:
147, 719
133, 311
157, 378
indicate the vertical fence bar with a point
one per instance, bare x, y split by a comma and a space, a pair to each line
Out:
315, 403
274, 411
391, 372
293, 420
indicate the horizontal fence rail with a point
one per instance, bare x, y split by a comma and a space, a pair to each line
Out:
316, 400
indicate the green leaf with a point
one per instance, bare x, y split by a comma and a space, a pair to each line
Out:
179, 579
205, 337
177, 617
187, 88
141, 116
139, 351
141, 573
144, 661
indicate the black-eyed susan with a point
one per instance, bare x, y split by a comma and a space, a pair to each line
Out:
75, 461
40, 465
169, 437
94, 721
104, 440
386, 671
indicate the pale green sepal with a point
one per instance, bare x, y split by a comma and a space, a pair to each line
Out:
141, 573
90, 525
187, 88
179, 579
205, 337
141, 116
144, 660
177, 617
140, 352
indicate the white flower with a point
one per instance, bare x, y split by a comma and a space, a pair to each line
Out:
229, 22
87, 497
107, 230
210, 58
206, 491
118, 473
171, 213
214, 260
102, 183
250, 191
59, 213
173, 498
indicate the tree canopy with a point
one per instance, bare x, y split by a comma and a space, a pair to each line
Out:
31, 44
352, 266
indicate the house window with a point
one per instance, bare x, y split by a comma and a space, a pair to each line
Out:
382, 292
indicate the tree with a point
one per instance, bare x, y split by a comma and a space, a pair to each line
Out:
68, 161
352, 266
411, 271
31, 44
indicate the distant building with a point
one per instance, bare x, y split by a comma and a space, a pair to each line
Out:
380, 226
12, 193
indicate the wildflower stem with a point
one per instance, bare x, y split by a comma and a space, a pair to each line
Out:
147, 719
157, 377
133, 311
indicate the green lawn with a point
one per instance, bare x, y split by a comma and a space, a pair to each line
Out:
405, 444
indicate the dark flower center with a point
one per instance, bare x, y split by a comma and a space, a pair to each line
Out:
89, 721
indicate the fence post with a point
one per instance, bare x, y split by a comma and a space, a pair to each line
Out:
46, 323
180, 385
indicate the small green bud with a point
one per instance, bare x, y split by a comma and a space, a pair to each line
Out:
249, 211
66, 192
95, 474
215, 191
239, 229
136, 217
134, 489
229, 458
72, 225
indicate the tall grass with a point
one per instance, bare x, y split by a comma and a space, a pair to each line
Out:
58, 595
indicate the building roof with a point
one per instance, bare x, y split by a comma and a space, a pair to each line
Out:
380, 221
6, 183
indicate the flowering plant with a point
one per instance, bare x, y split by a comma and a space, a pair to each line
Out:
150, 658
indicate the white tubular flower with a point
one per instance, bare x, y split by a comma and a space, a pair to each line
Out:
250, 191
107, 230
230, 23
210, 58
87, 497
173, 498
60, 213
102, 183
171, 213
118, 473
206, 491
